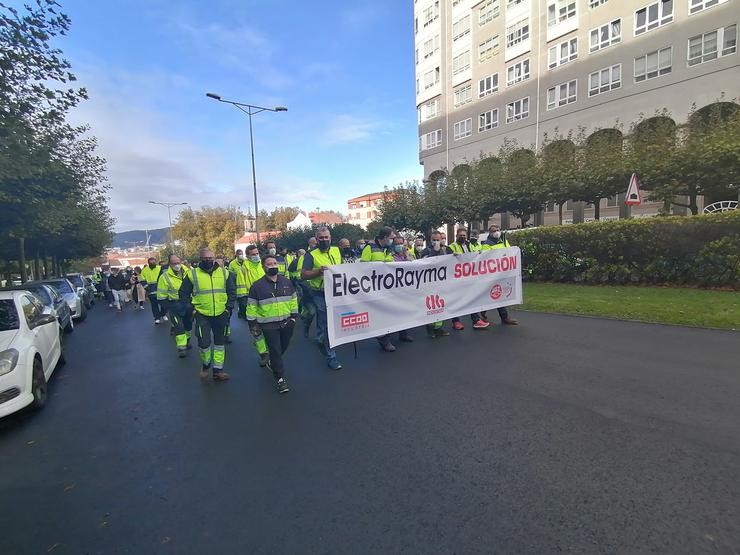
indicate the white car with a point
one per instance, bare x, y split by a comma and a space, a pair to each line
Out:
30, 350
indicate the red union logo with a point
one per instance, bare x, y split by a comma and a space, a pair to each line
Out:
496, 292
355, 320
435, 304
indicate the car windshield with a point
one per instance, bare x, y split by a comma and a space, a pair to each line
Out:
62, 286
8, 315
76, 281
42, 294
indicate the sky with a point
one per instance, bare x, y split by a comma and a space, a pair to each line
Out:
344, 70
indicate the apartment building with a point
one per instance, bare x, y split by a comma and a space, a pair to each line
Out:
364, 209
522, 70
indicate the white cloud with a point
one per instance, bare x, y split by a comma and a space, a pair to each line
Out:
345, 128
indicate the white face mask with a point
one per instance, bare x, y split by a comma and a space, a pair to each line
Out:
436, 245
240, 257
496, 234
176, 267
272, 251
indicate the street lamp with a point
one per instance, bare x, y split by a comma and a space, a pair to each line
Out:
169, 206
250, 110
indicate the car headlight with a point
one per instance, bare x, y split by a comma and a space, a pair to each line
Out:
8, 361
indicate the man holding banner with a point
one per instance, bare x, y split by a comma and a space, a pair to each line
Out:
497, 240
437, 248
315, 262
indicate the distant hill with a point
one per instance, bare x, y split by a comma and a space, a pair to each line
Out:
136, 237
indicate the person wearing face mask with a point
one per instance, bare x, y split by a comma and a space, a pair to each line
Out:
181, 313
289, 258
314, 264
349, 256
208, 288
497, 240
460, 246
272, 309
221, 263
107, 294
381, 250
117, 282
418, 249
254, 271
273, 251
238, 268
436, 248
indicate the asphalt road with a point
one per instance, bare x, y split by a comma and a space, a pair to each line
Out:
563, 434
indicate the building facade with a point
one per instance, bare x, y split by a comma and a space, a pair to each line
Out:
494, 71
363, 210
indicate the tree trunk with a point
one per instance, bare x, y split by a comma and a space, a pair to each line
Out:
36, 267
597, 209
560, 213
693, 205
22, 258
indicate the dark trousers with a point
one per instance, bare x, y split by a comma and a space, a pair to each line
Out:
242, 307
181, 318
503, 313
207, 327
157, 310
278, 340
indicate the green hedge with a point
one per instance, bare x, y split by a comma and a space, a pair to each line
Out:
697, 250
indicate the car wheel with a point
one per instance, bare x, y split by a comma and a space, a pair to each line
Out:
38, 385
83, 313
62, 359
70, 326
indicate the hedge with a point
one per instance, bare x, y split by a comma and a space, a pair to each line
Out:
697, 250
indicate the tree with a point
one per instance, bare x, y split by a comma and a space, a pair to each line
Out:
214, 227
280, 217
522, 194
601, 170
557, 171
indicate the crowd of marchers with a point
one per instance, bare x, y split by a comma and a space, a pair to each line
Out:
271, 291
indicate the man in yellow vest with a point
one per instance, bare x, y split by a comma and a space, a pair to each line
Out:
237, 268
255, 271
314, 264
381, 250
212, 294
497, 240
460, 246
149, 278
168, 295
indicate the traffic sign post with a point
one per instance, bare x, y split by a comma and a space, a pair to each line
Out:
632, 198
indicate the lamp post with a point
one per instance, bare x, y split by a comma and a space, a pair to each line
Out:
250, 110
169, 206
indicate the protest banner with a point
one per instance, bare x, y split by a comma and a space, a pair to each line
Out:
374, 298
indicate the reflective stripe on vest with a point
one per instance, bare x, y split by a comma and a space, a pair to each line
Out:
172, 292
374, 253
241, 277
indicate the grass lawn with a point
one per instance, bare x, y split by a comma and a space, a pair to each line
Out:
665, 305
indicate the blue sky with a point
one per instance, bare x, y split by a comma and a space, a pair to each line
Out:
344, 69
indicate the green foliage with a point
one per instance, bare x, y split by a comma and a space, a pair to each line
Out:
214, 227
704, 251
298, 238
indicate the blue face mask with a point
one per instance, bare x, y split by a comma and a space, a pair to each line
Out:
398, 248
255, 258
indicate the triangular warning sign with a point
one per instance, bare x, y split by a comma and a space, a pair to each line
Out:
632, 198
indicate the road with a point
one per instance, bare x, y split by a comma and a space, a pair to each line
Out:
563, 434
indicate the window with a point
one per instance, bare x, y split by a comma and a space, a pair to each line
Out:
695, 6
431, 78
430, 47
461, 62
431, 140
512, 3
712, 45
596, 3
517, 32
488, 120
31, 309
488, 48
462, 129
460, 28
606, 35
8, 315
488, 85
517, 72
562, 94
562, 53
429, 110
488, 12
653, 16
605, 80
653, 64
430, 14
559, 11
463, 95
519, 109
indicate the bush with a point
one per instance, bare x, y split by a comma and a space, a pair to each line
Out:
697, 250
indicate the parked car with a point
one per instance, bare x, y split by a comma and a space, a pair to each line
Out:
69, 293
78, 281
30, 350
50, 298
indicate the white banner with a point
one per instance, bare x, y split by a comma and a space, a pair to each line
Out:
370, 299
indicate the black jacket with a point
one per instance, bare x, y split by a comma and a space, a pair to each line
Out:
118, 281
429, 251
264, 289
